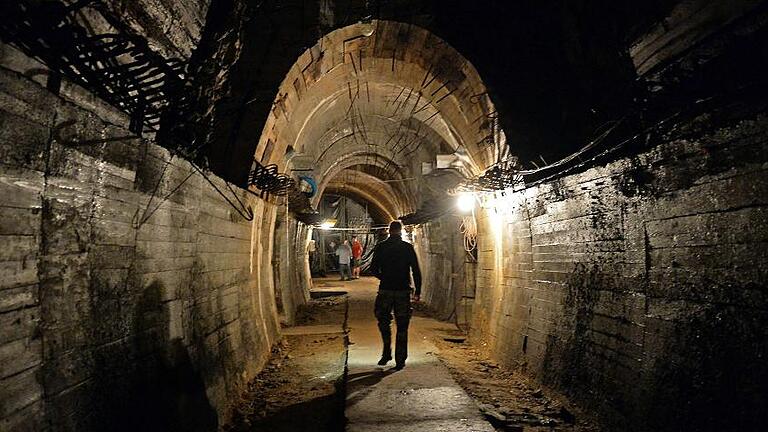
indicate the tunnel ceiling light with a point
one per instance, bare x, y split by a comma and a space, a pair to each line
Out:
465, 202
328, 224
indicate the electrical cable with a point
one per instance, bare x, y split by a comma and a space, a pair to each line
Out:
244, 211
267, 179
469, 230
507, 174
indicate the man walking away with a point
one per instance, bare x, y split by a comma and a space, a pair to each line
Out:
393, 262
344, 252
357, 255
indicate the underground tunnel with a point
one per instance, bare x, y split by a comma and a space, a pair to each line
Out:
196, 199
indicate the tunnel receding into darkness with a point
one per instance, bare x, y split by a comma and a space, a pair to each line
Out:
584, 186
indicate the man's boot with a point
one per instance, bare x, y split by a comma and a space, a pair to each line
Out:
385, 358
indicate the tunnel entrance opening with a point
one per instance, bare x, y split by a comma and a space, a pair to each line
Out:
368, 112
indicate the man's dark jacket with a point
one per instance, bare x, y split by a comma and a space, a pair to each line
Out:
393, 261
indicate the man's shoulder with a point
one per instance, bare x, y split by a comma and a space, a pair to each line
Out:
404, 245
384, 245
397, 246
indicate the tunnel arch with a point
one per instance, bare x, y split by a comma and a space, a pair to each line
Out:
382, 191
370, 105
385, 193
401, 199
378, 211
358, 73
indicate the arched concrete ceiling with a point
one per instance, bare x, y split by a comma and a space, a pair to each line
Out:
395, 193
383, 94
375, 75
381, 174
379, 215
384, 202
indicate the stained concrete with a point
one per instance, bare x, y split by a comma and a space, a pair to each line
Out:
631, 285
125, 279
421, 397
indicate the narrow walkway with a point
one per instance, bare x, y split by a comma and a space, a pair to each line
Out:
421, 397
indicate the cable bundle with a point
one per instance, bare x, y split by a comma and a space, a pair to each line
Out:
267, 179
500, 176
120, 67
301, 207
469, 229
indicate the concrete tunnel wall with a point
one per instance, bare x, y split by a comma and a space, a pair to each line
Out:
106, 285
638, 287
292, 276
127, 281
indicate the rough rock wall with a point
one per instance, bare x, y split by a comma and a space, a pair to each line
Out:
639, 287
131, 295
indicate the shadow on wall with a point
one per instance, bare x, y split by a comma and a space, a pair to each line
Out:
160, 390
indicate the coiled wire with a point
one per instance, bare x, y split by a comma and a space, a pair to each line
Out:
469, 229
267, 179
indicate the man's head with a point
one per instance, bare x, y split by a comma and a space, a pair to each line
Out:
346, 242
395, 228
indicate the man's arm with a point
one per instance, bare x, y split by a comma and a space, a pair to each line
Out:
416, 273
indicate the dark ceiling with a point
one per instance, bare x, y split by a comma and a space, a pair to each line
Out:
557, 70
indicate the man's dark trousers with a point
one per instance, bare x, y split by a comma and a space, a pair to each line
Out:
399, 302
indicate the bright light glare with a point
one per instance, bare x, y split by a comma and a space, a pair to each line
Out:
466, 202
327, 225
496, 222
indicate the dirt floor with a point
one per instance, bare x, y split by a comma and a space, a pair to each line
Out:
323, 311
509, 401
302, 388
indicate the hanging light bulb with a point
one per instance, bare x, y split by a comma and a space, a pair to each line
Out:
465, 202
